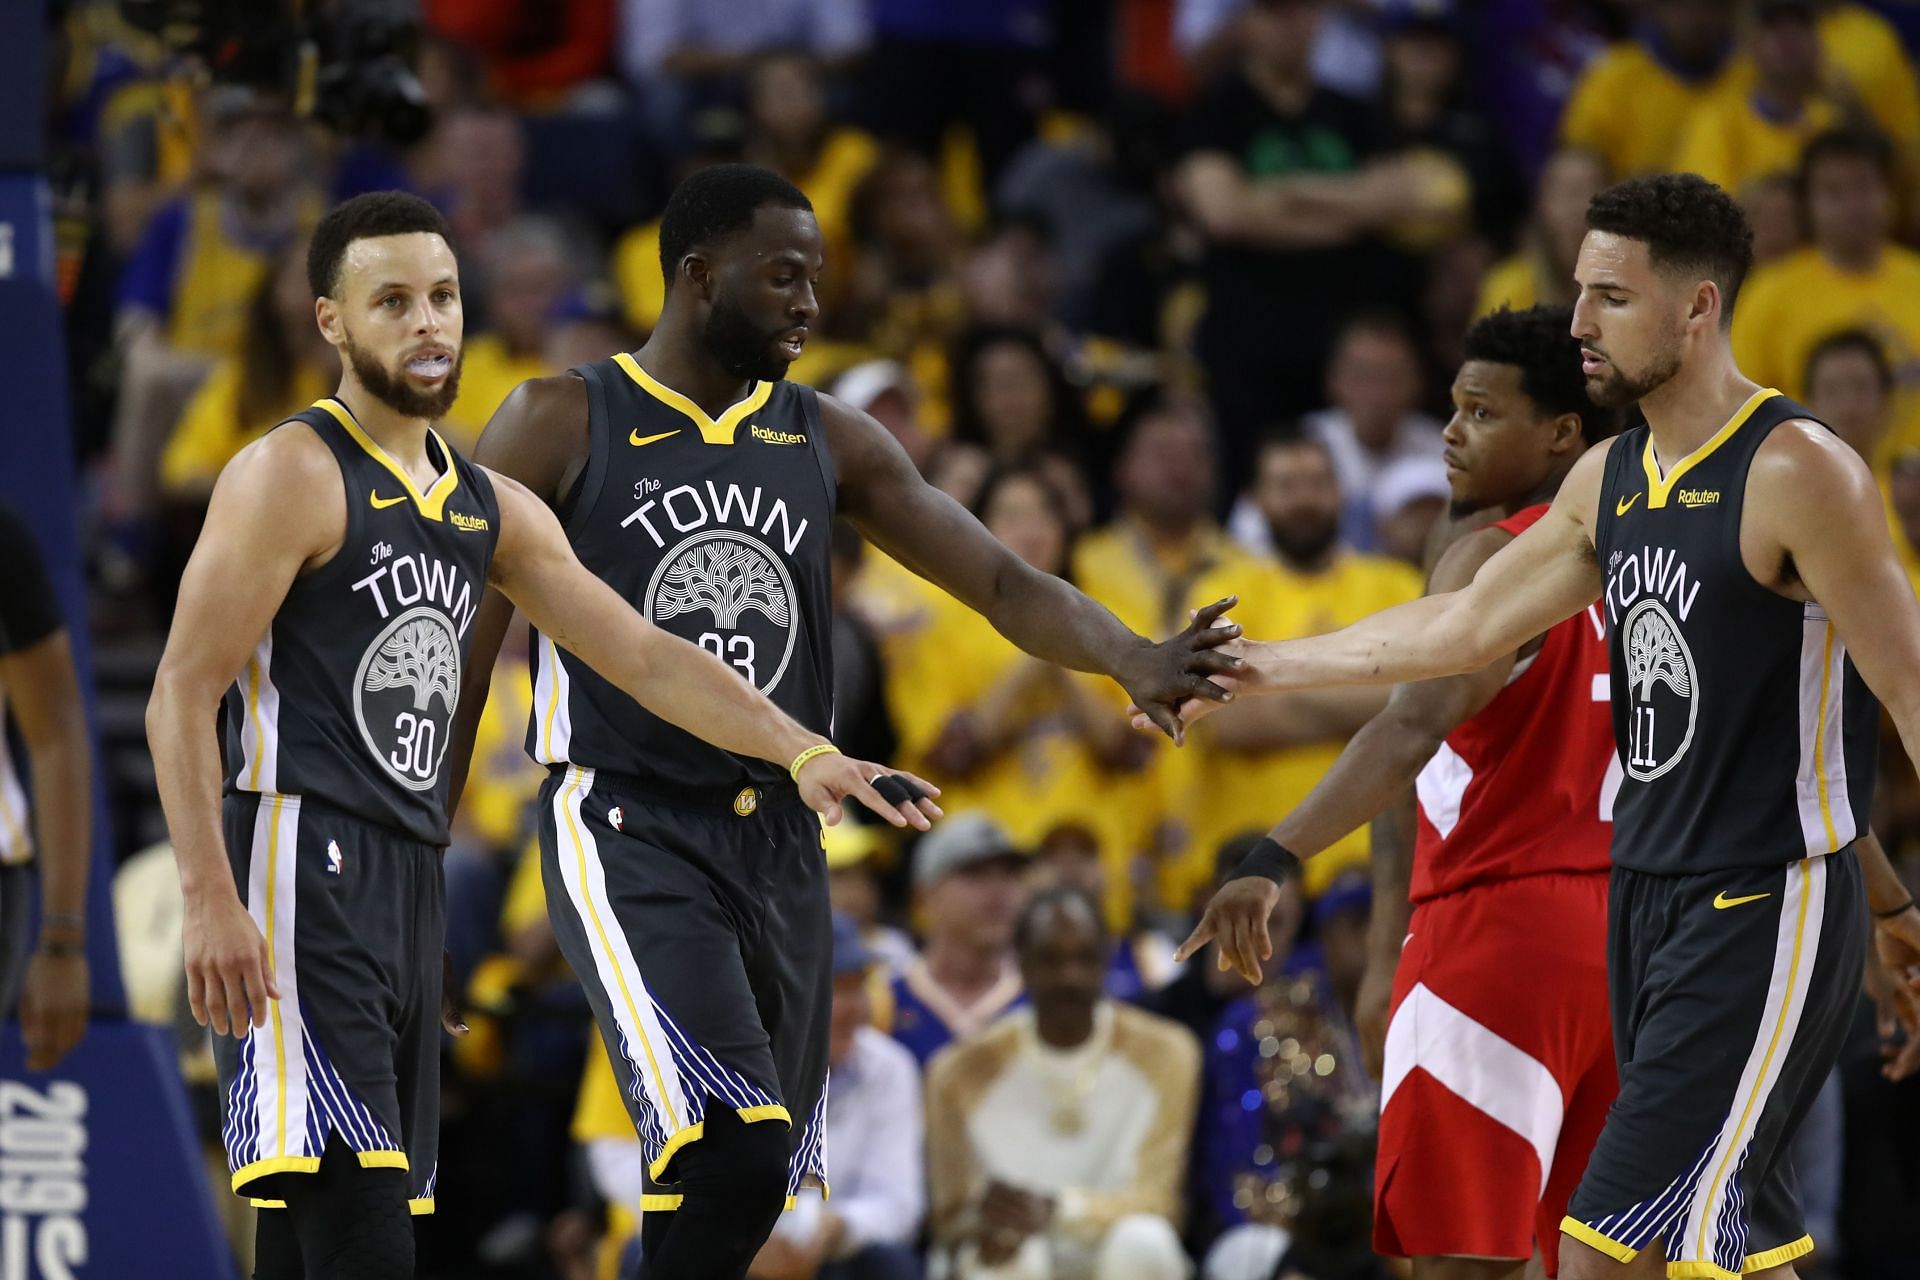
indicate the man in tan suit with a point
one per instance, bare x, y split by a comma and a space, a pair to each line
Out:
1059, 1135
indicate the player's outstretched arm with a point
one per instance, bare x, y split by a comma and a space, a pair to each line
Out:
680, 682
937, 538
250, 551
1544, 576
1376, 766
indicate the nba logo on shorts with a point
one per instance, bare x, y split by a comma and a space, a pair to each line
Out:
616, 819
333, 857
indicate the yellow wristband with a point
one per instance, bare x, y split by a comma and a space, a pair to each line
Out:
824, 749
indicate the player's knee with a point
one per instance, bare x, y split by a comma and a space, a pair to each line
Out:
1142, 1246
743, 1164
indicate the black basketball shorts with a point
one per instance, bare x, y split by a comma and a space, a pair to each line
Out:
1731, 994
702, 932
354, 916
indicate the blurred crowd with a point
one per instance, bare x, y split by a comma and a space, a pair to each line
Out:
1170, 294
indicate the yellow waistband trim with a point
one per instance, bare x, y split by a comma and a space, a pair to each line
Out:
1774, 1257
1606, 1244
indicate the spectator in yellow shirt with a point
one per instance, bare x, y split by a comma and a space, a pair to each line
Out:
1853, 276
1254, 763
1032, 743
1850, 388
1751, 127
1541, 269
1157, 560
283, 365
1633, 100
527, 273
1864, 47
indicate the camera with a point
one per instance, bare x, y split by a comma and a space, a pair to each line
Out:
347, 63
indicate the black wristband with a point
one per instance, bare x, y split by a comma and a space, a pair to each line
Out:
1270, 860
1899, 910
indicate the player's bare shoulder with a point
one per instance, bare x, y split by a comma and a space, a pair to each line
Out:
250, 499
1579, 496
539, 435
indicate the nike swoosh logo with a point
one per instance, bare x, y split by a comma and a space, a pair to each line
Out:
380, 503
1721, 901
1621, 508
635, 438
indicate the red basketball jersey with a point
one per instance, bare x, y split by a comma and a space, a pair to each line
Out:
1526, 786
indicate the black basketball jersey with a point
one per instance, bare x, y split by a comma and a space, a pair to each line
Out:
1746, 735
716, 530
349, 696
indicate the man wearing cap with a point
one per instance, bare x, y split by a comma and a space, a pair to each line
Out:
968, 887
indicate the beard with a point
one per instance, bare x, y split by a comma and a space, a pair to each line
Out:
1302, 542
741, 347
1617, 389
392, 389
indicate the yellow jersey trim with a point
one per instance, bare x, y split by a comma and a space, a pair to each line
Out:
1773, 1044
273, 1006
419, 1207
382, 1159
574, 779
1660, 487
276, 1164
259, 728
1820, 744
553, 694
753, 1115
713, 430
692, 1133
1605, 1244
1774, 1257
430, 504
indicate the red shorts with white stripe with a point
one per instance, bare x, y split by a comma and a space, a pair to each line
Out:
1499, 1069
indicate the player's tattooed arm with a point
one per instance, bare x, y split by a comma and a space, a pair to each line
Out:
679, 681
538, 436
931, 534
252, 547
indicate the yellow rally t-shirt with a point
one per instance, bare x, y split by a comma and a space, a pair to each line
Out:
1630, 107
1790, 306
1235, 792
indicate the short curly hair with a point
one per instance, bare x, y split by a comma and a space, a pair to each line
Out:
1539, 343
366, 217
715, 202
1688, 224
